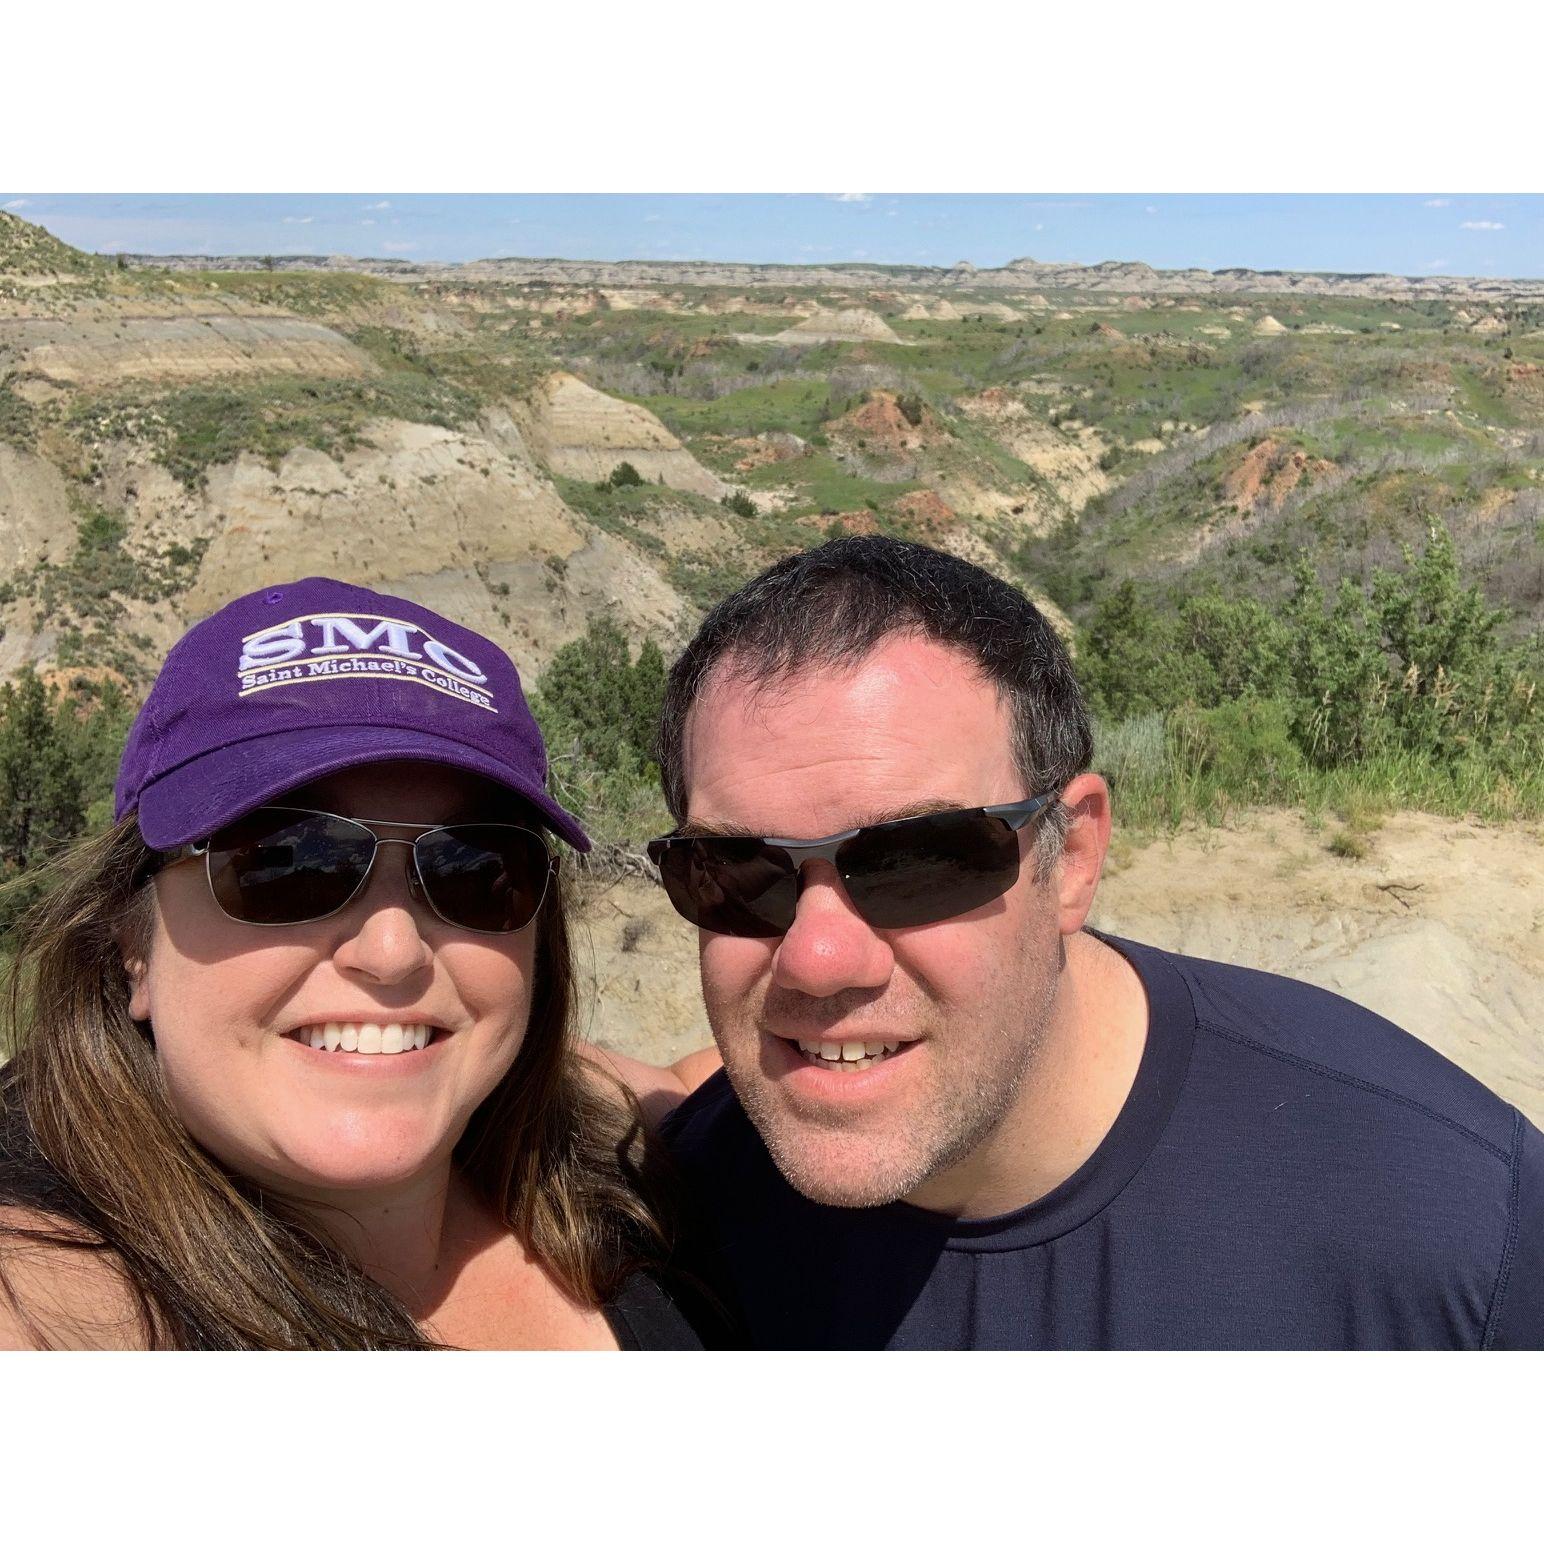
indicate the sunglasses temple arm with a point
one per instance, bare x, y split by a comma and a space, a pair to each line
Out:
1019, 815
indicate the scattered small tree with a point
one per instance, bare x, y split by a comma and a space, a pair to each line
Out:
41, 799
598, 709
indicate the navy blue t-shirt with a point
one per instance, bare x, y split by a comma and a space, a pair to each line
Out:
1288, 1171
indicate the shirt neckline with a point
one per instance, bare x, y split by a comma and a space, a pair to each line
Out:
1171, 1030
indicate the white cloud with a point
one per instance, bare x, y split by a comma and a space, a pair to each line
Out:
298, 219
1437, 203
367, 222
1438, 262
1481, 225
850, 198
385, 203
398, 246
1040, 227
652, 219
1151, 209
16, 203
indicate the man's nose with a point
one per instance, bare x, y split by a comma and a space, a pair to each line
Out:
829, 948
381, 930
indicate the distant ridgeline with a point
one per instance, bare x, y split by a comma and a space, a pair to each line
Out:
1023, 273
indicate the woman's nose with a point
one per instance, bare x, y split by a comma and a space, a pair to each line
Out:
382, 928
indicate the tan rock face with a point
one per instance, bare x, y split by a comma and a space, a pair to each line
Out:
35, 518
428, 513
576, 431
107, 351
1069, 462
459, 520
36, 524
852, 325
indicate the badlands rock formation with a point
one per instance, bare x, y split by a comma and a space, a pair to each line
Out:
1264, 478
114, 348
853, 325
461, 520
1069, 462
36, 508
445, 517
576, 431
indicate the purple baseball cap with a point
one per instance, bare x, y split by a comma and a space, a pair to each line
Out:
301, 680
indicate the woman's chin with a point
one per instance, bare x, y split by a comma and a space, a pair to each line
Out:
355, 1156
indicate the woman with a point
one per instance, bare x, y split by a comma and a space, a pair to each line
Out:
293, 1065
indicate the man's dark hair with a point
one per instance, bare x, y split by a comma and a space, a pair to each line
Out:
834, 604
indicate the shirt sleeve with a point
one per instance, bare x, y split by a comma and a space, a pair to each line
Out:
1517, 1319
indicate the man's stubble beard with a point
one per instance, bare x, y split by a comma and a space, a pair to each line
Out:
836, 1164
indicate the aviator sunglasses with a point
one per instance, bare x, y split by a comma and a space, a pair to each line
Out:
902, 873
279, 866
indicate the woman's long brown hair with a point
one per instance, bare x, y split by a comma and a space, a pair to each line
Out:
91, 1143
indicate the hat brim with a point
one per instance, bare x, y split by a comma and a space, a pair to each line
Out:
194, 800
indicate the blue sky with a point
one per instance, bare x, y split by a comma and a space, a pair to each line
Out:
1462, 233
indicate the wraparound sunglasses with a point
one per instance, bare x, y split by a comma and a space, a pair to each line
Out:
279, 866
902, 873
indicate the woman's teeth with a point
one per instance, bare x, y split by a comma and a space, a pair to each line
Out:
365, 1039
847, 1055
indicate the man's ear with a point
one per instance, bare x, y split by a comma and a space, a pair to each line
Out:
1087, 798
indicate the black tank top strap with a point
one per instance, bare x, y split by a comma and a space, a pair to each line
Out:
644, 1317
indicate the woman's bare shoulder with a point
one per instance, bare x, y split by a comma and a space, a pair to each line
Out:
58, 1296
658, 1089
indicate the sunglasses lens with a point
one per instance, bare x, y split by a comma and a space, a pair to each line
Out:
926, 870
728, 885
491, 879
279, 865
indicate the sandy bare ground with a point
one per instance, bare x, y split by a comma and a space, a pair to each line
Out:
1440, 928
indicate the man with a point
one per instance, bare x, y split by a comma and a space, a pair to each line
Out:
955, 1117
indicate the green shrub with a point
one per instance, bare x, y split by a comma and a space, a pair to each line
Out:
1412, 663
18, 421
50, 764
42, 801
1246, 746
598, 709
738, 503
624, 475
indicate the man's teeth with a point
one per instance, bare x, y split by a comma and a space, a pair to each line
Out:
366, 1039
848, 1055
